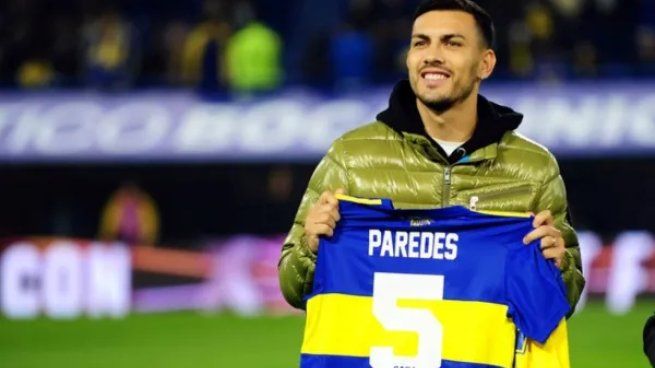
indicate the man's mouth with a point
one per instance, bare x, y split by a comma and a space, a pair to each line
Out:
434, 78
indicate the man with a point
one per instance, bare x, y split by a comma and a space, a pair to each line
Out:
438, 144
649, 340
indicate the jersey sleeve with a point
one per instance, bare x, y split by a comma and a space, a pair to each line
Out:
535, 292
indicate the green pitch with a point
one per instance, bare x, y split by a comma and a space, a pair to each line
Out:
597, 340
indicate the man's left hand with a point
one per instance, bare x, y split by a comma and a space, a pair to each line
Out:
552, 243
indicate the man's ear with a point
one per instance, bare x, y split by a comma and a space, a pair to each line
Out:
487, 64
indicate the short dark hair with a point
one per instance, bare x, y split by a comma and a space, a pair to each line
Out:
482, 18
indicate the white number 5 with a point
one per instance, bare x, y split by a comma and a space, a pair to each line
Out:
387, 289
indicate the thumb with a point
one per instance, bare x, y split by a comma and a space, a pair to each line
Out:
340, 191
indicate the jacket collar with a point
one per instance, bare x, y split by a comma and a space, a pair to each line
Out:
493, 122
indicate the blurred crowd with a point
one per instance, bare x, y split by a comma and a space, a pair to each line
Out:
111, 45
256, 46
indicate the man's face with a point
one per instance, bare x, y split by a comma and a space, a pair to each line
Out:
444, 59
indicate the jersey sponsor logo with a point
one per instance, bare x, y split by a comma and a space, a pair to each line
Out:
420, 222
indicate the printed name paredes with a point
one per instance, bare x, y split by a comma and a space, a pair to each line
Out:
412, 244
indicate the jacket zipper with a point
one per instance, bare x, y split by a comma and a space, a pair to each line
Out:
445, 193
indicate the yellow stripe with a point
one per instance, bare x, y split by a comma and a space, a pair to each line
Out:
553, 354
377, 202
347, 198
474, 332
505, 213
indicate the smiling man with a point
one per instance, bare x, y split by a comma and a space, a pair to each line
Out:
439, 144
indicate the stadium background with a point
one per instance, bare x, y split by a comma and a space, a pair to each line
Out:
210, 116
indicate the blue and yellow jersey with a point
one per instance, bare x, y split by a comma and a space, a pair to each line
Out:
430, 288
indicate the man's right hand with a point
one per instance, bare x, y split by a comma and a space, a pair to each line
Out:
322, 218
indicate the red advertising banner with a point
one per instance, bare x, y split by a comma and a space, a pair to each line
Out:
68, 278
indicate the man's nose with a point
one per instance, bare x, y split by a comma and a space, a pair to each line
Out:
434, 55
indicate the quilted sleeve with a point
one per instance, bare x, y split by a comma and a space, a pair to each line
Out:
297, 262
552, 197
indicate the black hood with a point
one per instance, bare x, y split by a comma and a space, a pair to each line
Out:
493, 120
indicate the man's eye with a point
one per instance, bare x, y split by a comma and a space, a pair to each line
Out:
419, 43
454, 44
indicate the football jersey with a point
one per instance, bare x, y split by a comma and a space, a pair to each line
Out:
428, 288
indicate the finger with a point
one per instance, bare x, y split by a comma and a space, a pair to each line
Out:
328, 208
326, 218
324, 198
548, 242
553, 253
540, 232
322, 229
340, 191
324, 213
543, 218
334, 213
537, 233
332, 200
318, 216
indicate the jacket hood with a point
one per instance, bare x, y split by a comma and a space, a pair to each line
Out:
493, 120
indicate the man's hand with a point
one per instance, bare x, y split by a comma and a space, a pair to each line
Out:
552, 243
322, 218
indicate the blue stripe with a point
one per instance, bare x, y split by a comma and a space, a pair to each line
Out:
331, 361
476, 274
